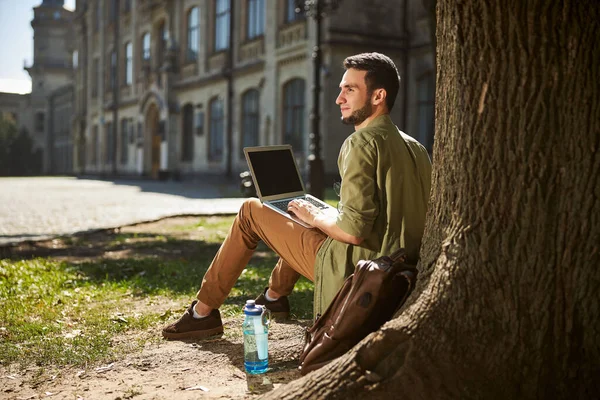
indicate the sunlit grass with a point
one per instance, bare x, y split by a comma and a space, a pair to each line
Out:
62, 313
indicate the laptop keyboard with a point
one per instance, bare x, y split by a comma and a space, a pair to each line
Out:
283, 204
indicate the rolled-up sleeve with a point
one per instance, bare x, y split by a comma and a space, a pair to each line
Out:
358, 202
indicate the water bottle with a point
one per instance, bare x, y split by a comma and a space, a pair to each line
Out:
256, 329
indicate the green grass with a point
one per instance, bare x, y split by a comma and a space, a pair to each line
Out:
60, 313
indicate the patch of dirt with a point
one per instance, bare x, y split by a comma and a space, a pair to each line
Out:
209, 369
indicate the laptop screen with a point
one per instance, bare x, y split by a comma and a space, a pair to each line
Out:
275, 172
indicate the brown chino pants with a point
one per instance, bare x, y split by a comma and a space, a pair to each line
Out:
296, 246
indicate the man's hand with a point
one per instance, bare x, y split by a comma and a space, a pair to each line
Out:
304, 210
316, 218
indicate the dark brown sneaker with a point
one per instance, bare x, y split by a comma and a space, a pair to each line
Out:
280, 308
188, 327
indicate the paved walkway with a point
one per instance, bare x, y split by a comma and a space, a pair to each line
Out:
43, 207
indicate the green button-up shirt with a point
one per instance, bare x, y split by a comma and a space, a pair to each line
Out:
386, 178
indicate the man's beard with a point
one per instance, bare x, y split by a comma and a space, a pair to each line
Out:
359, 116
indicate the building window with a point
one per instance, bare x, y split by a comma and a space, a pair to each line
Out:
39, 121
128, 63
290, 12
256, 18
199, 123
426, 110
162, 44
193, 34
125, 123
94, 145
112, 71
216, 128
293, 114
187, 143
146, 47
112, 10
95, 77
109, 143
75, 59
250, 119
98, 16
222, 25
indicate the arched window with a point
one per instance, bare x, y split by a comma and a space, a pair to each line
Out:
216, 130
250, 119
293, 114
193, 30
187, 140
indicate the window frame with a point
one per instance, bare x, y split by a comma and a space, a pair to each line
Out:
108, 144
112, 70
98, 16
290, 15
94, 146
124, 141
222, 25
193, 34
216, 129
250, 119
95, 77
187, 137
146, 51
294, 110
128, 64
255, 19
162, 44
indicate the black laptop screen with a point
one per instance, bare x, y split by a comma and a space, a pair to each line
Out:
275, 172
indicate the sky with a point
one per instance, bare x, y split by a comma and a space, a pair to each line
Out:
16, 43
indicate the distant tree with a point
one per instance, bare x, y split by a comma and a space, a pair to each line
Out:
8, 133
22, 159
507, 305
17, 157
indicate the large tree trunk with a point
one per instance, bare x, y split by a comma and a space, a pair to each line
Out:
507, 305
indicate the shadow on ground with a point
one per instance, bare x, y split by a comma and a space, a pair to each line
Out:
152, 262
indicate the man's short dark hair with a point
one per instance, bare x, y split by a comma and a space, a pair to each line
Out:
381, 73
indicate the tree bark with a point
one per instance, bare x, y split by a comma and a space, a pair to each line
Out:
507, 303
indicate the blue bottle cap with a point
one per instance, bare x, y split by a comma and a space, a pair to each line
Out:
252, 309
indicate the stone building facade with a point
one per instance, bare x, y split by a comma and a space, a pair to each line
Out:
177, 88
51, 75
51, 70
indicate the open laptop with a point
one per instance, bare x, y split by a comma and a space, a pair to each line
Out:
278, 181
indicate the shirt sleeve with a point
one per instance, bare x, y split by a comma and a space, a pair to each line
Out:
358, 204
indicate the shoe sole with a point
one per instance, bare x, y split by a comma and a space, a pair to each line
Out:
194, 334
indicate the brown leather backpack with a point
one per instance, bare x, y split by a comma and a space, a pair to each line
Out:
368, 298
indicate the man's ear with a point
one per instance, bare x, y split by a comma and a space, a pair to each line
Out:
378, 97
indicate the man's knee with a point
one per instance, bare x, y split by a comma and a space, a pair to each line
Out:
248, 206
